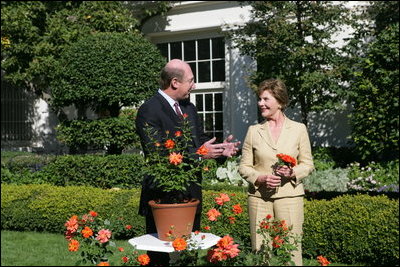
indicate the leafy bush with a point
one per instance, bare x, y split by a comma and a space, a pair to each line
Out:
102, 171
105, 72
105, 69
98, 134
353, 229
323, 159
47, 208
19, 168
22, 163
327, 180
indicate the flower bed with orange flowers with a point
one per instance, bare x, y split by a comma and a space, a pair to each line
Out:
92, 236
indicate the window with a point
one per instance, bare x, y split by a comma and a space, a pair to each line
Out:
16, 114
206, 57
209, 108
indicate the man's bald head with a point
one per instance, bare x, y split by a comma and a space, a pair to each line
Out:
173, 69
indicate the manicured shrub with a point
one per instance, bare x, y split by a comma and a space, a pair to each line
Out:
353, 229
104, 71
102, 171
47, 208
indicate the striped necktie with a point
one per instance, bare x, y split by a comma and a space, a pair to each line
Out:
177, 110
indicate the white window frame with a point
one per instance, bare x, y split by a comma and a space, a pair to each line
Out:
203, 112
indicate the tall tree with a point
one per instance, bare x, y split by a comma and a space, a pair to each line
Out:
34, 33
373, 69
37, 40
294, 41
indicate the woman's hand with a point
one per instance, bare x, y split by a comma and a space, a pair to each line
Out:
268, 180
284, 171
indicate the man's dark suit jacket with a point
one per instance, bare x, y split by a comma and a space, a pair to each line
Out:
158, 114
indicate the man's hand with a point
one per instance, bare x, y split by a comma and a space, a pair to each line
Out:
231, 148
227, 148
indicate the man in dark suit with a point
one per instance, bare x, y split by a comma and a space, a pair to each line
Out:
162, 112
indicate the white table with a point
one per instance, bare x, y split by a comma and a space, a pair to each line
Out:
152, 243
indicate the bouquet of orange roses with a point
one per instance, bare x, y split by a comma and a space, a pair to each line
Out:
284, 160
287, 160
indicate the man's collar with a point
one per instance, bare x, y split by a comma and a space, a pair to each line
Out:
167, 97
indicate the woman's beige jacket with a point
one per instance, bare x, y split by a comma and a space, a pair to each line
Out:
259, 155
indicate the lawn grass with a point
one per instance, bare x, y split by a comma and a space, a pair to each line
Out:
48, 249
42, 249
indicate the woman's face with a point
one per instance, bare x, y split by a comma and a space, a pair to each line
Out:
269, 106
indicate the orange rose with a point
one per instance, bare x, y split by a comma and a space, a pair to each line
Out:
93, 213
222, 199
170, 144
287, 160
277, 241
87, 232
202, 151
237, 209
323, 261
213, 214
143, 259
73, 245
175, 158
72, 224
179, 244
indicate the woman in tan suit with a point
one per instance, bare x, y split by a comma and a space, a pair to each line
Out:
277, 192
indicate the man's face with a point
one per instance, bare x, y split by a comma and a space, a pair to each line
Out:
186, 85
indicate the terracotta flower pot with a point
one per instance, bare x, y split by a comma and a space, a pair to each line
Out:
176, 219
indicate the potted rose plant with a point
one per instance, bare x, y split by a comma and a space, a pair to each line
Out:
172, 168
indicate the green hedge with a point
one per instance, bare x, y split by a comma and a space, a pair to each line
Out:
46, 208
102, 171
348, 229
351, 229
